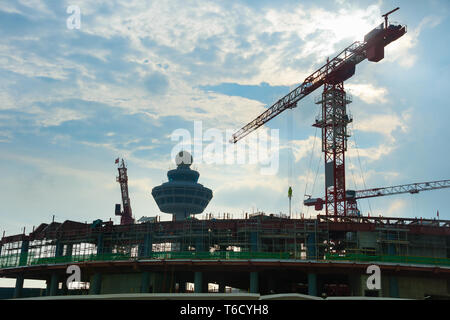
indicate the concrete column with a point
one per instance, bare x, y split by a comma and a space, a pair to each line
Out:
393, 287
205, 286
199, 244
254, 283
101, 248
145, 249
96, 284
271, 285
391, 250
198, 282
59, 249
145, 284
182, 286
221, 286
24, 252
105, 249
54, 285
65, 289
312, 284
19, 286
254, 243
157, 282
100, 244
47, 288
69, 248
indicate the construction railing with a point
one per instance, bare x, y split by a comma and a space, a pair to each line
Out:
389, 258
11, 261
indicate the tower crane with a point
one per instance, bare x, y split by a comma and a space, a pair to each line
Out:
334, 118
122, 178
352, 195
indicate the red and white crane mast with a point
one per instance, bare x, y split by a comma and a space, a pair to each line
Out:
334, 118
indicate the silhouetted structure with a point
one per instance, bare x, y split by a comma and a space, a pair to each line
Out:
182, 195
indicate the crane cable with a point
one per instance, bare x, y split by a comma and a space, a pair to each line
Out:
360, 167
290, 146
290, 153
355, 185
317, 174
309, 169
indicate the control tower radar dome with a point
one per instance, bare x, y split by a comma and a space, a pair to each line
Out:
183, 158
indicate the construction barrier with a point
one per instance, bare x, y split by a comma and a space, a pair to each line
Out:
389, 258
11, 261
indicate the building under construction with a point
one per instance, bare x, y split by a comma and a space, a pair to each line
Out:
260, 253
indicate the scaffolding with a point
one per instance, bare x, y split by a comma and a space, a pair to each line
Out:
260, 236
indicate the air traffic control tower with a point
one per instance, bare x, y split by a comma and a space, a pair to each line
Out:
182, 195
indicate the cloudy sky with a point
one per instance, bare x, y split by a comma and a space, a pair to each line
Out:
73, 100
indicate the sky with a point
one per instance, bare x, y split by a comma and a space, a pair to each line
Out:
72, 100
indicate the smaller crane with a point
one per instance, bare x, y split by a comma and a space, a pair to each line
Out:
352, 196
122, 178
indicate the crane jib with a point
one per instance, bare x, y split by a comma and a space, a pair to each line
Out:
336, 70
412, 188
342, 66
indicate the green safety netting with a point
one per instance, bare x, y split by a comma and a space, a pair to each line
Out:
389, 258
15, 260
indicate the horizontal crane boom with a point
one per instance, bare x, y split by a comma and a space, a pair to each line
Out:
406, 188
412, 188
336, 70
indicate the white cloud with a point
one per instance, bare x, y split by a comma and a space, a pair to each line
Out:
7, 7
367, 92
36, 5
328, 27
56, 116
160, 163
367, 178
143, 185
55, 168
182, 28
303, 148
221, 111
30, 64
6, 101
402, 50
394, 208
301, 35
371, 154
250, 178
384, 124
5, 136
